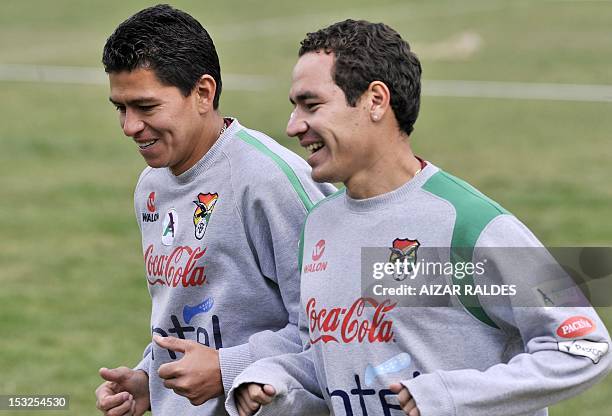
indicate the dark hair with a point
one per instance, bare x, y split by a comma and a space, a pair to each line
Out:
170, 42
366, 52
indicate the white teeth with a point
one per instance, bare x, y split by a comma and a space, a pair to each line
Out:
313, 147
146, 144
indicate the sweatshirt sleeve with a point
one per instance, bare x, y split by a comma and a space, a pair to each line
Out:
558, 361
145, 363
293, 377
273, 208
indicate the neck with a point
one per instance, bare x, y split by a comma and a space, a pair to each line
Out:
392, 169
207, 136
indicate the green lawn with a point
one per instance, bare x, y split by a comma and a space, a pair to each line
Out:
73, 296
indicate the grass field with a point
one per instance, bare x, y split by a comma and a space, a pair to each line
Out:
72, 295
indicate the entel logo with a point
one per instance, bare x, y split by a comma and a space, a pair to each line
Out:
151, 202
318, 250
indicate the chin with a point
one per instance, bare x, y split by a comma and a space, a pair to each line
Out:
155, 163
320, 175
317, 175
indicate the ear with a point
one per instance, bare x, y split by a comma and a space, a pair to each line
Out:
204, 91
379, 100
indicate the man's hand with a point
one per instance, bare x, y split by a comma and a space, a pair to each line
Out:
406, 400
196, 376
251, 396
124, 393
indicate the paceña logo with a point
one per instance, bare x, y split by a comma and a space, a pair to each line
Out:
576, 326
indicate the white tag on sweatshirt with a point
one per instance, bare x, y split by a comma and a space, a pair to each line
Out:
584, 348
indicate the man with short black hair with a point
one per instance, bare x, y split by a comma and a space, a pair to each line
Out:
356, 91
220, 209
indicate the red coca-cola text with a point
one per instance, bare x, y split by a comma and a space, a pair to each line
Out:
172, 270
351, 322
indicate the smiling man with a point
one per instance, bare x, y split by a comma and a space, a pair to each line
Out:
356, 96
220, 209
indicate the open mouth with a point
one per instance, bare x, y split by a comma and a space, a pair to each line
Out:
313, 147
148, 144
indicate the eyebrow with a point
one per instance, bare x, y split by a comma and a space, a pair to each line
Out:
137, 101
303, 97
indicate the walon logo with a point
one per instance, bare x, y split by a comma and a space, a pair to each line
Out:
318, 250
151, 202
152, 215
317, 253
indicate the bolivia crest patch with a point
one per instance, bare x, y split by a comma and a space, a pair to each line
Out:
205, 204
404, 250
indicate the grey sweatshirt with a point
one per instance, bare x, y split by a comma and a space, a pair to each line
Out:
470, 358
220, 252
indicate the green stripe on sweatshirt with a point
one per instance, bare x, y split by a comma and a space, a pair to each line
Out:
301, 242
473, 212
289, 173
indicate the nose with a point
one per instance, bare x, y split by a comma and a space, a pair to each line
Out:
131, 123
296, 124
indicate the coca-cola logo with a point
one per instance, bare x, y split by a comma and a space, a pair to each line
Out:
178, 268
351, 323
318, 250
151, 202
576, 326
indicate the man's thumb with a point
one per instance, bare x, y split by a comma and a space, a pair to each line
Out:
117, 375
269, 390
